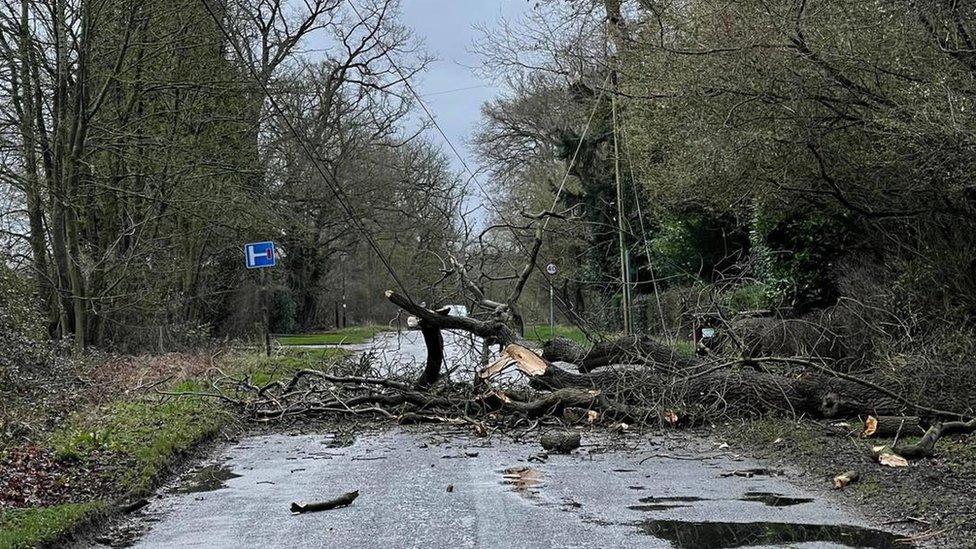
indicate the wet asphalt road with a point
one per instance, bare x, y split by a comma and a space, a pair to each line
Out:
644, 493
397, 352
649, 495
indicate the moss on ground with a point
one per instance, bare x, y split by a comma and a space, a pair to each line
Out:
23, 528
798, 440
346, 336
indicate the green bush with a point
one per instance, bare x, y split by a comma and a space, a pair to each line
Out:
796, 254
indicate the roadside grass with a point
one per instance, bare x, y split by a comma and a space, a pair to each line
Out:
681, 346
346, 336
23, 528
262, 370
131, 443
145, 435
541, 332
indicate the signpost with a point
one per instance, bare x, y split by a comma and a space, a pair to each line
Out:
261, 255
551, 271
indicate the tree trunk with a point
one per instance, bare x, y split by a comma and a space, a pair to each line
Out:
434, 341
625, 350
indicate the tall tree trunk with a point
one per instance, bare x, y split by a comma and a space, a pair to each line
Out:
35, 208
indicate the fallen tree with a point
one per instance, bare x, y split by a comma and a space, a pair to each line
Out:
634, 380
638, 369
632, 349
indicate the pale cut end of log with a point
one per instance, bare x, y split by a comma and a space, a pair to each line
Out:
496, 367
845, 478
889, 459
524, 359
870, 427
388, 293
892, 426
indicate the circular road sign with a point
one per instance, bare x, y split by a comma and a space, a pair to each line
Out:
551, 269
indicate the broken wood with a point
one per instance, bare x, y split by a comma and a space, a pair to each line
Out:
845, 478
341, 501
494, 332
925, 446
892, 426
525, 360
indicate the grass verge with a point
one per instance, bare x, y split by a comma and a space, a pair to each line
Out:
541, 332
23, 528
120, 451
347, 336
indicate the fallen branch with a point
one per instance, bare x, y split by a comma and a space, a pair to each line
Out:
633, 349
561, 442
845, 478
892, 426
926, 445
341, 501
860, 381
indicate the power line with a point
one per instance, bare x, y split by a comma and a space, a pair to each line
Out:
455, 90
332, 184
577, 320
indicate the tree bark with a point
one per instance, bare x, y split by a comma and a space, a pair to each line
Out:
494, 332
434, 342
890, 426
633, 349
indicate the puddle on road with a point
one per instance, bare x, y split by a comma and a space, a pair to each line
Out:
207, 479
655, 506
523, 480
724, 535
666, 499
771, 499
755, 472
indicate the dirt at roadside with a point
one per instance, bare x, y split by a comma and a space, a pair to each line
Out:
933, 497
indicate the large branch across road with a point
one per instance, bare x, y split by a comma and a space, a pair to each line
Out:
494, 332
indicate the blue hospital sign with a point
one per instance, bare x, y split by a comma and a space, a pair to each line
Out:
259, 255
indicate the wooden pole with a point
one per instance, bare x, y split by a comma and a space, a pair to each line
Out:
265, 312
624, 282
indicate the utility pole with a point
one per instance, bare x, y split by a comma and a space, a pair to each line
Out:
624, 271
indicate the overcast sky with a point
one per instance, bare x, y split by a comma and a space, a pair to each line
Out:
450, 88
